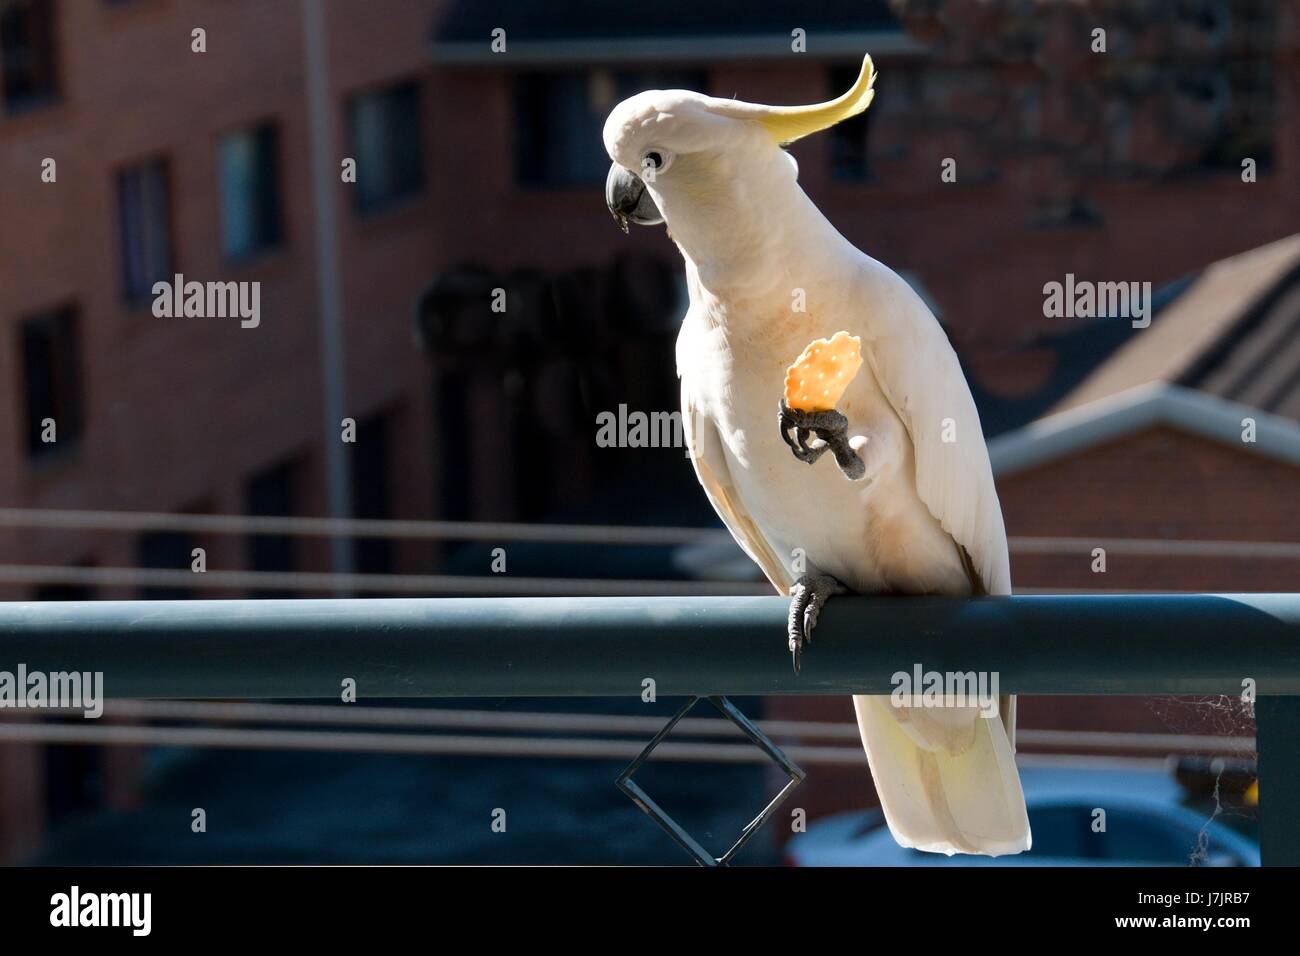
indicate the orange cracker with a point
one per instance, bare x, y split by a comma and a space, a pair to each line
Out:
817, 379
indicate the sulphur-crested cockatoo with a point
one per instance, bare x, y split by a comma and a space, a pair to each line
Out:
906, 505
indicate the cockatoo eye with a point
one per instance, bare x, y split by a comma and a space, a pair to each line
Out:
655, 160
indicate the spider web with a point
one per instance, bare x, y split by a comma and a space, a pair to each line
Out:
1217, 716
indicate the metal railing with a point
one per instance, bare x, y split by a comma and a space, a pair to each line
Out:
692, 647
497, 532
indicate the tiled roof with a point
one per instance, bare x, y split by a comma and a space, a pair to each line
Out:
1234, 333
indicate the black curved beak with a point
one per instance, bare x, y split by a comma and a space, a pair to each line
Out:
628, 199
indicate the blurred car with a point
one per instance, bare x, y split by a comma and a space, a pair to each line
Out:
1145, 826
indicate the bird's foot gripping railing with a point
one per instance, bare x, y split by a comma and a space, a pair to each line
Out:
1236, 645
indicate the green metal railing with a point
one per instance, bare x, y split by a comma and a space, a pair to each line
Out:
693, 647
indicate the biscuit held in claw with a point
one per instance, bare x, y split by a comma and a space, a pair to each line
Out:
819, 376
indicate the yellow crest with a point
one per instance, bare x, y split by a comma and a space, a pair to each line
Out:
789, 123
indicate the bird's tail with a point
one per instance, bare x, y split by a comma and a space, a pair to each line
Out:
946, 777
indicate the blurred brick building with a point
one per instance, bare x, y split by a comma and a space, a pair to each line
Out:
480, 169
174, 161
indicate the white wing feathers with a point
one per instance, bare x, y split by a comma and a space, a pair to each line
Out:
710, 463
944, 802
919, 373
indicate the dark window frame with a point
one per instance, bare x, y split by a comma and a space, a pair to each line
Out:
36, 53
374, 486
274, 491
540, 112
269, 203
144, 292
410, 177
165, 550
58, 395
850, 140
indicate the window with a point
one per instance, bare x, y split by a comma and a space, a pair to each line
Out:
144, 221
385, 131
74, 783
28, 71
371, 492
456, 481
885, 134
850, 139
247, 164
272, 493
51, 381
1237, 99
166, 550
559, 118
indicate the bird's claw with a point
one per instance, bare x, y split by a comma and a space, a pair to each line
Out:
831, 427
807, 598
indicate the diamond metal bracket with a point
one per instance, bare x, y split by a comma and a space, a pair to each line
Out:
656, 813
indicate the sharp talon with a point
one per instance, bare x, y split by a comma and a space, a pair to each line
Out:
809, 455
807, 597
785, 422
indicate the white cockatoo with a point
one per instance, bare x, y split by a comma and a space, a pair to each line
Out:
907, 506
